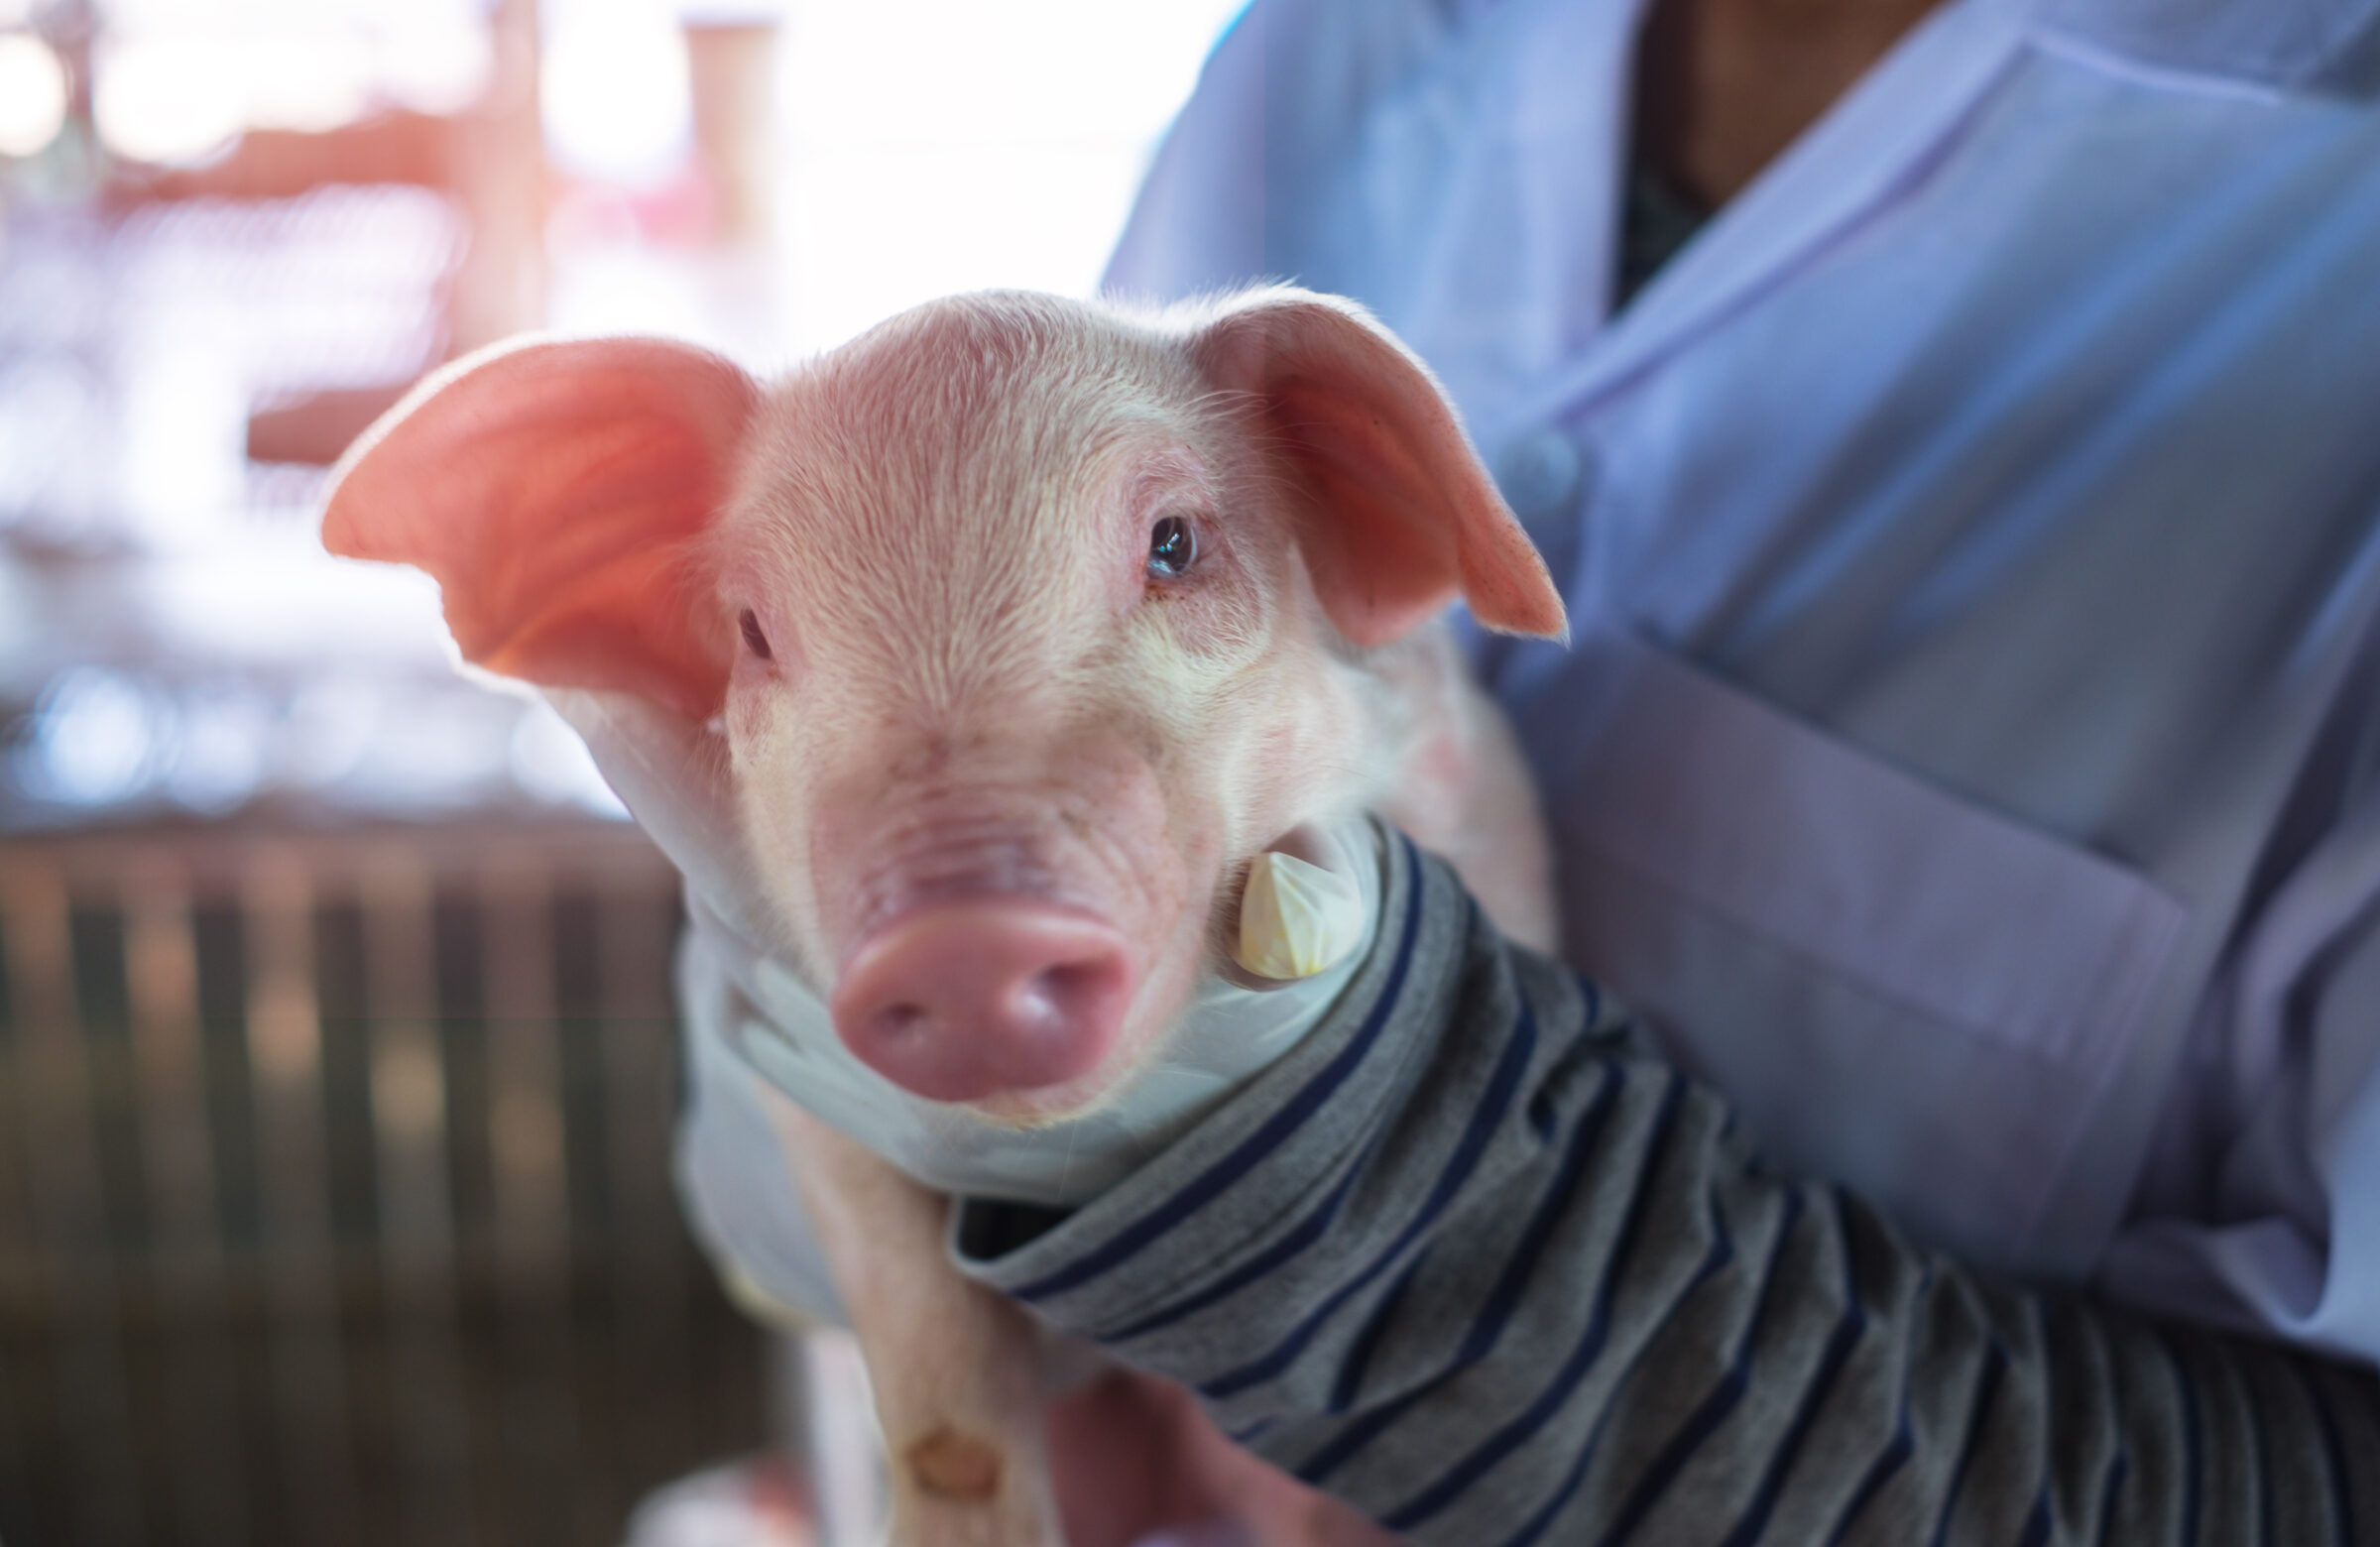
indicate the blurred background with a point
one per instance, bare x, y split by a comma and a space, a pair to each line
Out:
336, 1061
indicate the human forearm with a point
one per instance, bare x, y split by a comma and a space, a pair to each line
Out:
1495, 1275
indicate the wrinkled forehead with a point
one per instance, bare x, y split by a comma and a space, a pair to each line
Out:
1006, 414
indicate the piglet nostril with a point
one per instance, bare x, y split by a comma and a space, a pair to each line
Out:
901, 1023
960, 1001
1054, 997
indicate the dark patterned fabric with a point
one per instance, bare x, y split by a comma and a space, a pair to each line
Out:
1474, 1260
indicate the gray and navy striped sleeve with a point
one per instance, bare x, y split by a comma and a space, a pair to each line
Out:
1473, 1259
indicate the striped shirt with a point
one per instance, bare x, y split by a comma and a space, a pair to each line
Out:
1471, 1258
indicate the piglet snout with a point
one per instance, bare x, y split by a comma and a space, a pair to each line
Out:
963, 1001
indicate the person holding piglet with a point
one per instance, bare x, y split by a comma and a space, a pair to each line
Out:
1961, 779
1966, 761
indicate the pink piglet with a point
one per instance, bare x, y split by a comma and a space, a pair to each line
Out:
1018, 626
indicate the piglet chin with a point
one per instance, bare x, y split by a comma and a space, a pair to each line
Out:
996, 1002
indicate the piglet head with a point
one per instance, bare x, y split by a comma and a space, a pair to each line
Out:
1024, 624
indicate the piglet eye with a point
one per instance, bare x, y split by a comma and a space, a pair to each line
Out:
753, 637
1172, 546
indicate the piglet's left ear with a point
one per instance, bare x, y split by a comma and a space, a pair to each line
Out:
1398, 515
559, 492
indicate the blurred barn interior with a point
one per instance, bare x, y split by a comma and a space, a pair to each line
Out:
336, 1059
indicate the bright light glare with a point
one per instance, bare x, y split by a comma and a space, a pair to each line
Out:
178, 78
612, 83
313, 79
98, 739
168, 97
219, 756
946, 145
943, 71
434, 63
33, 95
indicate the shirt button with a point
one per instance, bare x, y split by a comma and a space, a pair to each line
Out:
1544, 476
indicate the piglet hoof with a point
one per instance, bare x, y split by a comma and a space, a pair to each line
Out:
956, 1490
947, 1464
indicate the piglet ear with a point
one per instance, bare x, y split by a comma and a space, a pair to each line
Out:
1399, 515
559, 492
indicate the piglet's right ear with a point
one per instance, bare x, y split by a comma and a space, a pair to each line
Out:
559, 492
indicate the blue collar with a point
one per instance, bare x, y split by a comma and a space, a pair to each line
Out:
2271, 45
2261, 44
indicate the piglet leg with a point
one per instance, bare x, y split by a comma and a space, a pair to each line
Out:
955, 1368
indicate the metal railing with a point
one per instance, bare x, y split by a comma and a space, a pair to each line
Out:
335, 1196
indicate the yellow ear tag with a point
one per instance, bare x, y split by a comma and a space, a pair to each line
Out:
1296, 919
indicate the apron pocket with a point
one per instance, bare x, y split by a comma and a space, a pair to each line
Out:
1899, 990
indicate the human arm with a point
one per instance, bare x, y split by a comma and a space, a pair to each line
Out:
1475, 1261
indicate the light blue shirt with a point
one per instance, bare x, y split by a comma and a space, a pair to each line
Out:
1971, 757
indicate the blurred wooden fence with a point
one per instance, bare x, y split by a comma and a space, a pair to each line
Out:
334, 1198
